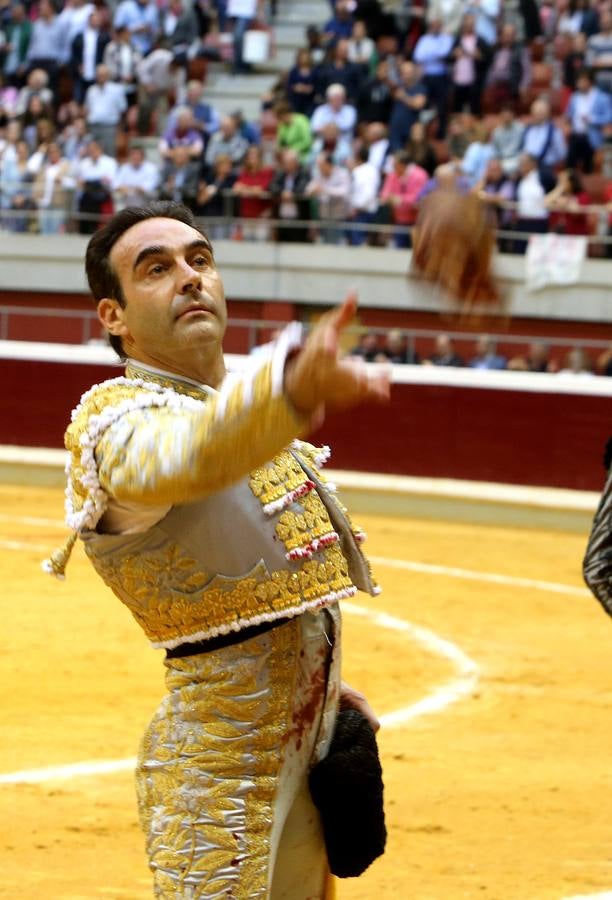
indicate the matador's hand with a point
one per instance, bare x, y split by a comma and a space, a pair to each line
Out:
317, 376
352, 699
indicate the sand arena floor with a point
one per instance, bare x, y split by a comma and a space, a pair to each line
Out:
503, 793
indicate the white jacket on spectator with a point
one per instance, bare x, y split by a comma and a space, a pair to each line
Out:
105, 104
102, 169
364, 188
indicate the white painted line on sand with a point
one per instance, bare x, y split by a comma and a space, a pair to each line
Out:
460, 687
25, 546
473, 575
606, 895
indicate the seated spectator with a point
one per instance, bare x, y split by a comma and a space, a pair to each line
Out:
478, 155
214, 200
510, 71
445, 354
532, 214
95, 175
75, 139
252, 188
420, 150
367, 347
487, 356
181, 132
375, 99
136, 181
544, 141
340, 25
53, 191
604, 362
566, 203
86, 53
537, 359
293, 131
377, 142
330, 187
248, 130
36, 112
205, 117
470, 54
447, 177
339, 70
365, 180
400, 191
431, 53
8, 145
599, 51
180, 177
122, 60
331, 142
496, 190
44, 135
16, 183
588, 113
409, 98
507, 139
38, 85
458, 138
577, 362
301, 84
227, 141
395, 350
335, 111
105, 105
361, 48
288, 188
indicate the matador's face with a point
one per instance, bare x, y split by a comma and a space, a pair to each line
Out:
174, 295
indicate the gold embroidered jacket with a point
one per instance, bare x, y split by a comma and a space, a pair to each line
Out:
252, 531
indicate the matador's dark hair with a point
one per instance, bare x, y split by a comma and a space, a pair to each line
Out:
101, 276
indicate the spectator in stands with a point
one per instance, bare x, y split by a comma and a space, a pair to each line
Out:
507, 139
532, 214
37, 85
449, 12
340, 25
367, 347
105, 105
396, 350
301, 84
537, 359
330, 187
569, 17
589, 112
157, 77
495, 190
470, 54
361, 49
293, 130
180, 177
16, 182
409, 99
544, 141
249, 130
12, 136
479, 153
486, 355
179, 27
18, 33
339, 70
575, 61
205, 117
75, 139
73, 20
510, 70
288, 188
567, 202
420, 150
365, 181
242, 12
486, 14
335, 110
46, 42
331, 142
53, 191
377, 141
136, 181
375, 99
604, 362
87, 53
447, 177
599, 51
214, 199
95, 175
227, 141
141, 18
577, 362
431, 53
181, 132
252, 187
36, 112
445, 354
122, 59
400, 191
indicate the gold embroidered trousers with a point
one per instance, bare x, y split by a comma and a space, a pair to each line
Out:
223, 767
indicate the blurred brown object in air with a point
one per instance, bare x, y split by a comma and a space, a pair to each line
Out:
453, 248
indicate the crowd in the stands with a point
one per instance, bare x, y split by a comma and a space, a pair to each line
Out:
385, 103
